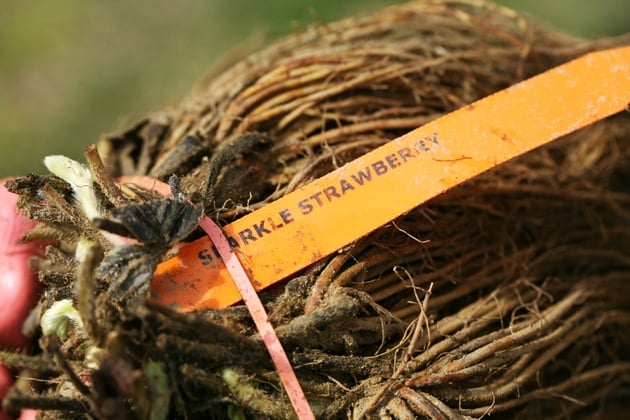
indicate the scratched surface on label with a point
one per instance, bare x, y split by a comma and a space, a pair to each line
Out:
339, 208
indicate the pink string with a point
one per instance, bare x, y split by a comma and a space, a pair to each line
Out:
257, 311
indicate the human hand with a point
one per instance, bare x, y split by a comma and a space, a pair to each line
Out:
18, 283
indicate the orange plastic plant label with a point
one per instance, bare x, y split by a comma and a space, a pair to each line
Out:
342, 206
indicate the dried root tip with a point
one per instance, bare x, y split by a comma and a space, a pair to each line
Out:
21, 361
100, 174
89, 256
17, 403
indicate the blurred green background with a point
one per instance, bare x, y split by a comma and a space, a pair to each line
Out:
71, 70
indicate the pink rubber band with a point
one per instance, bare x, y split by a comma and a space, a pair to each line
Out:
257, 311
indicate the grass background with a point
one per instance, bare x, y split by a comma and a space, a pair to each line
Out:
71, 70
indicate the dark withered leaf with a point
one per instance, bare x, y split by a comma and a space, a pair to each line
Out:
177, 159
161, 222
128, 269
133, 151
239, 171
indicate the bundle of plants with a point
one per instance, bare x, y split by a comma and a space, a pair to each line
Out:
507, 295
